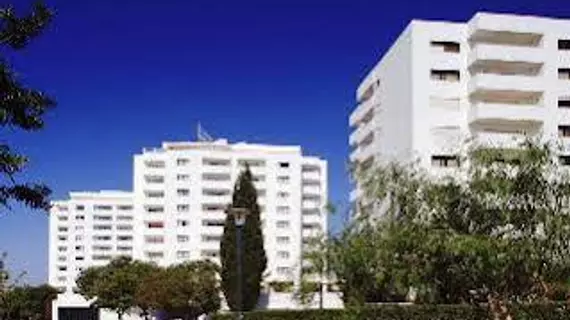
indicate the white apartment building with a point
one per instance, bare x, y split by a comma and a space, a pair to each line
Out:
489, 81
182, 189
176, 211
88, 229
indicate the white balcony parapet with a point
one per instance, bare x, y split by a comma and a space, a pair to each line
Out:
485, 82
505, 114
494, 52
361, 110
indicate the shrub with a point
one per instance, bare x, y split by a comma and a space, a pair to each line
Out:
281, 286
408, 312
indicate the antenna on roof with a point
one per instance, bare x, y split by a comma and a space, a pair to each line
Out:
202, 135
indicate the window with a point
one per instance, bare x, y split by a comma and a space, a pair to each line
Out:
102, 248
564, 103
564, 44
211, 238
564, 131
155, 225
62, 249
79, 258
283, 240
62, 258
564, 74
79, 248
102, 257
121, 248
445, 75
102, 227
216, 192
182, 177
154, 239
283, 254
311, 226
101, 238
102, 207
155, 164
102, 218
154, 254
210, 253
283, 270
62, 229
251, 162
124, 218
564, 160
154, 209
79, 217
79, 228
183, 208
283, 179
445, 161
182, 223
213, 207
62, 279
216, 162
283, 210
124, 238
258, 178
62, 268
283, 195
151, 179
283, 164
62, 218
62, 238
183, 192
78, 237
446, 46
213, 223
182, 238
154, 194
182, 162
80, 207
125, 207
62, 208
182, 254
282, 224
124, 227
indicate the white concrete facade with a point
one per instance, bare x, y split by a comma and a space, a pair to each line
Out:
182, 189
489, 81
88, 229
176, 211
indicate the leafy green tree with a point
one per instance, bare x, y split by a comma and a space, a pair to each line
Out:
114, 285
253, 258
497, 232
190, 289
20, 107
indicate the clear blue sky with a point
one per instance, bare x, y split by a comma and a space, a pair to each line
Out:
129, 74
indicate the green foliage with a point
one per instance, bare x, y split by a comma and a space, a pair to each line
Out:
184, 290
497, 232
408, 312
253, 257
20, 107
190, 289
23, 302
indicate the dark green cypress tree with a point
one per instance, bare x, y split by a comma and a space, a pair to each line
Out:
253, 255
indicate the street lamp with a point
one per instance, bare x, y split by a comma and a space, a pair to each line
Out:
239, 214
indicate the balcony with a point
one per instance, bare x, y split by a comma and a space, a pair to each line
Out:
363, 130
312, 190
311, 176
504, 29
525, 117
311, 204
505, 88
513, 59
490, 139
364, 109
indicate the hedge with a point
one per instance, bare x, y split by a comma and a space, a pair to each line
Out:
407, 312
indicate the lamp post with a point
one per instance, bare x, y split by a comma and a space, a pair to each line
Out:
239, 214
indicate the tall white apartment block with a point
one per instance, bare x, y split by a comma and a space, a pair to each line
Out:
176, 211
489, 81
182, 189
88, 229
